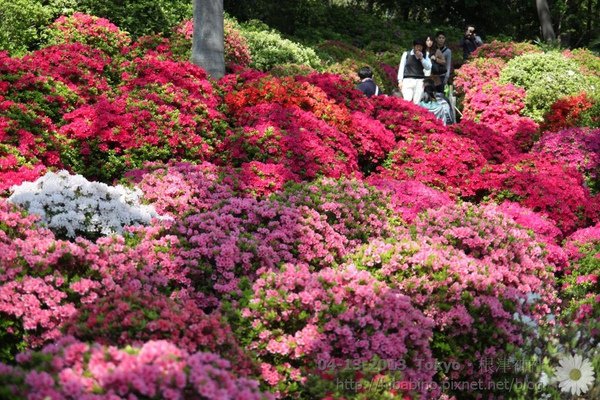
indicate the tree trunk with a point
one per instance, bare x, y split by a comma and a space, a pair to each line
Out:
207, 41
545, 20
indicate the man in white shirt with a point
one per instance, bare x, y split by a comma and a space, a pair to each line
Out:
413, 67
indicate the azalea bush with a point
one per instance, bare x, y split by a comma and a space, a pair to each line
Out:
567, 112
97, 32
243, 237
504, 50
72, 206
298, 322
168, 371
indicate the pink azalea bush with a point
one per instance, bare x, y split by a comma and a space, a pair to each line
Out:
476, 274
503, 50
355, 210
495, 147
180, 188
263, 179
243, 237
69, 369
580, 284
302, 319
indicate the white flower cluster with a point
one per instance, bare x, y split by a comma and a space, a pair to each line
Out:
70, 205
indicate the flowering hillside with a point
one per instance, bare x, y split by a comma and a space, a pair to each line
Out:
167, 236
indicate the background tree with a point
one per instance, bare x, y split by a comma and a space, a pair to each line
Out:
545, 20
207, 42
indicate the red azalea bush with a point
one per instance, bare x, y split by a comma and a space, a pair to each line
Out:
96, 32
180, 188
576, 147
442, 160
498, 106
409, 198
566, 112
371, 138
165, 110
354, 209
495, 147
33, 90
404, 118
263, 179
242, 237
504, 50
73, 369
306, 145
340, 89
84, 69
544, 186
297, 321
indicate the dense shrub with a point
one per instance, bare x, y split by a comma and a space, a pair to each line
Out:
580, 285
442, 160
73, 369
158, 16
476, 73
504, 50
21, 25
576, 147
545, 186
409, 198
566, 112
72, 206
495, 147
305, 145
269, 49
242, 237
477, 275
297, 321
96, 32
354, 209
546, 77
178, 189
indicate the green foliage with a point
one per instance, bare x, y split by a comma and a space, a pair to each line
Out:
546, 77
269, 48
21, 23
140, 17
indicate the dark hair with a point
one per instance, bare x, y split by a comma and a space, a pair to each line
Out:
365, 72
419, 41
428, 91
438, 33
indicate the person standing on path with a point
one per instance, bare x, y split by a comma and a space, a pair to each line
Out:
440, 39
412, 71
470, 42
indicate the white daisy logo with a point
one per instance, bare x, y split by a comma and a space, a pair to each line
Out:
574, 374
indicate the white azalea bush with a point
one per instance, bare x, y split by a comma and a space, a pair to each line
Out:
72, 206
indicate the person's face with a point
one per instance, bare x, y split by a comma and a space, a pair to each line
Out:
470, 31
441, 40
429, 42
418, 47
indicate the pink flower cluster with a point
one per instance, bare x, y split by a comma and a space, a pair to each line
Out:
504, 50
303, 319
70, 369
354, 209
244, 236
